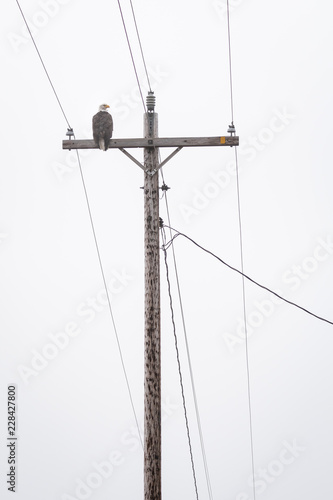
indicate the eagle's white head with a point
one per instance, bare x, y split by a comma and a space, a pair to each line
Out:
103, 107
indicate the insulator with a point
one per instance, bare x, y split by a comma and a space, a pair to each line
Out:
232, 129
70, 133
150, 100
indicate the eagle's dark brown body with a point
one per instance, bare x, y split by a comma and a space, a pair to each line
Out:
102, 129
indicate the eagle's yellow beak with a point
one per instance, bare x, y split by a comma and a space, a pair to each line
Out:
107, 106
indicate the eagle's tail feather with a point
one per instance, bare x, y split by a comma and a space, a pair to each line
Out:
102, 144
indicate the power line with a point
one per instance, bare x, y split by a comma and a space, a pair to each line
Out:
245, 325
108, 297
178, 362
230, 68
143, 58
93, 229
41, 60
178, 233
133, 62
248, 374
195, 399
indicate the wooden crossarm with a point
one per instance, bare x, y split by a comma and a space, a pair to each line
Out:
158, 142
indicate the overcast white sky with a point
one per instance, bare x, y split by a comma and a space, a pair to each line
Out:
75, 422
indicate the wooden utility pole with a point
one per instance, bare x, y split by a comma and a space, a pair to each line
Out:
152, 374
152, 377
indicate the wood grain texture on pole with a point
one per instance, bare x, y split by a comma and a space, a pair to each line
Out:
152, 375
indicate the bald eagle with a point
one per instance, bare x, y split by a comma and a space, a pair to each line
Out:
102, 125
